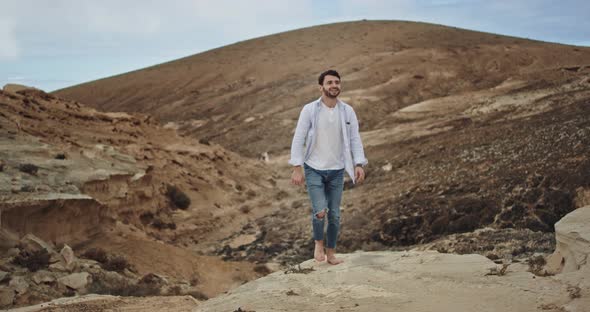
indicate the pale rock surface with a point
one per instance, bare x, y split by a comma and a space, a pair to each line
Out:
32, 243
94, 302
75, 280
3, 275
13, 87
19, 284
58, 267
6, 296
396, 281
7, 239
43, 276
68, 256
572, 234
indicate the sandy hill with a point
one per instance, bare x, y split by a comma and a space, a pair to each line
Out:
463, 129
252, 91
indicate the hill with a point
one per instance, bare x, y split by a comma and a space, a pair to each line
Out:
463, 129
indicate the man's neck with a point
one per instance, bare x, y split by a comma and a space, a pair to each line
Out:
330, 102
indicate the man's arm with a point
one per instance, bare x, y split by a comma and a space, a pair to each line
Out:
356, 145
303, 125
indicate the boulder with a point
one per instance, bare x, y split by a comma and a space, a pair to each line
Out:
572, 234
6, 297
19, 284
3, 276
395, 281
58, 267
68, 255
8, 240
31, 242
14, 88
75, 280
13, 252
43, 276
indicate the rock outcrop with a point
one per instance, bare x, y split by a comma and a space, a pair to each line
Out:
573, 242
425, 281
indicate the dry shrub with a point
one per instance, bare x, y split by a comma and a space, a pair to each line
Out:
537, 265
178, 198
161, 225
198, 295
97, 254
108, 262
175, 291
33, 261
251, 193
245, 209
29, 168
116, 263
262, 269
123, 288
574, 291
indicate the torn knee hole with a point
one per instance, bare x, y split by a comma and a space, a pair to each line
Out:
321, 214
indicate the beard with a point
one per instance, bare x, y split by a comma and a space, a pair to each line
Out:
332, 92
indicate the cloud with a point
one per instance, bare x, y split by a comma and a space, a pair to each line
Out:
9, 47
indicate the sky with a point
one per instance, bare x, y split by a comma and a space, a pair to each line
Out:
52, 44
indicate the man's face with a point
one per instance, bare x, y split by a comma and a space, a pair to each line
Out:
331, 86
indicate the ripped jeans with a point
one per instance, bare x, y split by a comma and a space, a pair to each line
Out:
325, 192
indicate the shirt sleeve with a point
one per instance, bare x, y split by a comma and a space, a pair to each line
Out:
356, 145
303, 125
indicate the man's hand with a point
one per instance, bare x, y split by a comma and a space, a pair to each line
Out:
359, 174
297, 176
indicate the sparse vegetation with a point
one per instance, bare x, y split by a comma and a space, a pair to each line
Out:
123, 288
499, 271
97, 254
292, 293
33, 261
537, 265
29, 168
262, 269
161, 225
178, 198
574, 292
60, 156
116, 263
108, 262
245, 208
298, 270
174, 291
198, 295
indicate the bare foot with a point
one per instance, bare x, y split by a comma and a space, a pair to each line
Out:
318, 253
331, 256
334, 260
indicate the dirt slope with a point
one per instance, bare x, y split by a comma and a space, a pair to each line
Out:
72, 175
252, 91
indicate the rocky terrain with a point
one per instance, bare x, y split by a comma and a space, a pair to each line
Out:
463, 130
118, 189
477, 144
402, 281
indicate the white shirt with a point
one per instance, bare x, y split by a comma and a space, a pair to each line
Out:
326, 153
352, 153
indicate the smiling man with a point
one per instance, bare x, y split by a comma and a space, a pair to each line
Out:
329, 130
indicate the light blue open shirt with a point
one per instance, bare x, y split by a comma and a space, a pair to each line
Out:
305, 133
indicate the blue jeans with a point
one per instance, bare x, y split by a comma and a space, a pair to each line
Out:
325, 192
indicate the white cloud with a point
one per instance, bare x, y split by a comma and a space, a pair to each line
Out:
9, 47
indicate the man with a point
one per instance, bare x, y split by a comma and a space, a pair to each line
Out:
329, 128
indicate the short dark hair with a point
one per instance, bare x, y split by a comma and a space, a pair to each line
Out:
323, 75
